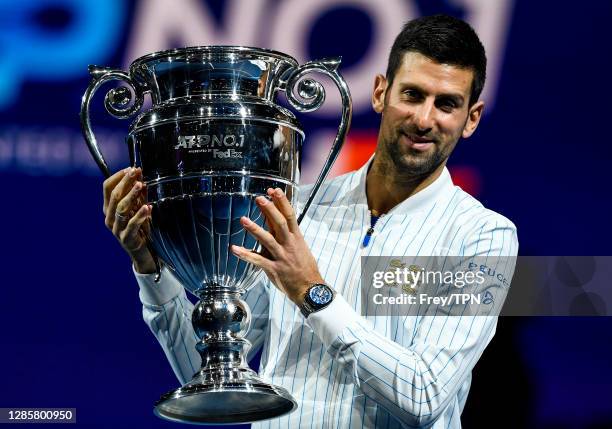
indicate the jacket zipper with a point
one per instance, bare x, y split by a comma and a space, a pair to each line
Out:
370, 231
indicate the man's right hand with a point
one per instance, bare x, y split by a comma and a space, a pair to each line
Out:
126, 215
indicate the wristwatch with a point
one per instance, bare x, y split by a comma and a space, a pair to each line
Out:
317, 297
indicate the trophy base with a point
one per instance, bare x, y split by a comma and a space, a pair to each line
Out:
241, 397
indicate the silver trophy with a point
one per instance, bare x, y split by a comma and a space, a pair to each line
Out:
212, 142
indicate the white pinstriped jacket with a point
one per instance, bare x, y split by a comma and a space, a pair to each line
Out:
347, 370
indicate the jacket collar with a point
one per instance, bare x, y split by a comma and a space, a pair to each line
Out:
425, 198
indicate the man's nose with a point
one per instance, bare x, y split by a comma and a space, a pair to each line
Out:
423, 116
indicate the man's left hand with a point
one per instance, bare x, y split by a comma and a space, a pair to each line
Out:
288, 262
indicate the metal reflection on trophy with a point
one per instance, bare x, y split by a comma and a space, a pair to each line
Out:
213, 141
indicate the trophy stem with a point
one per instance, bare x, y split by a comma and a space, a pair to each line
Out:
225, 389
222, 344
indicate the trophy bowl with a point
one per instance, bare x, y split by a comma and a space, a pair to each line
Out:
213, 140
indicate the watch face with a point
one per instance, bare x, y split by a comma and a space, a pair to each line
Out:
320, 294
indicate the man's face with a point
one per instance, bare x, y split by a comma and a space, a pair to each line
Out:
424, 113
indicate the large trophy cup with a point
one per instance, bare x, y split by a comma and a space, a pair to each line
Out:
214, 140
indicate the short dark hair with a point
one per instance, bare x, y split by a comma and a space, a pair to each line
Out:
446, 40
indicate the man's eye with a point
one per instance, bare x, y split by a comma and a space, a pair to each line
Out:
447, 106
412, 94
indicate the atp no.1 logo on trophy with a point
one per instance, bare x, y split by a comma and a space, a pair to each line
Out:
213, 141
219, 146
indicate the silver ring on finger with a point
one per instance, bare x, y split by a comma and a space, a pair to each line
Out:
120, 217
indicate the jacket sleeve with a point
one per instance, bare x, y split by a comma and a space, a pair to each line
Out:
416, 383
167, 311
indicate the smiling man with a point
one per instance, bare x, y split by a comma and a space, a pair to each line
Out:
347, 369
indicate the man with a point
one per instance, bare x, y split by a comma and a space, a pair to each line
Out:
346, 369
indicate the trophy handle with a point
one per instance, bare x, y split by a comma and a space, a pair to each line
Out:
117, 102
312, 96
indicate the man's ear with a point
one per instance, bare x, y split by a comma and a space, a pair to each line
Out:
378, 94
473, 119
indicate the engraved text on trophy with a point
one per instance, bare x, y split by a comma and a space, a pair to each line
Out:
220, 146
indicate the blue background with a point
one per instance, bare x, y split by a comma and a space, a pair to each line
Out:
72, 333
